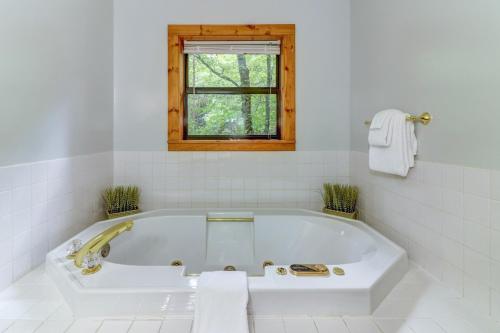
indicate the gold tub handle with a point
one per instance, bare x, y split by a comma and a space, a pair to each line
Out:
97, 242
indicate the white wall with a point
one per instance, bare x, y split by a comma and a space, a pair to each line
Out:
440, 56
56, 123
56, 88
140, 72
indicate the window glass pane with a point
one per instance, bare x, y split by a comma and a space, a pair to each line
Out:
231, 70
226, 115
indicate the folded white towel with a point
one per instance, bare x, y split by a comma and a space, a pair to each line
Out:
221, 303
398, 156
411, 142
380, 133
380, 118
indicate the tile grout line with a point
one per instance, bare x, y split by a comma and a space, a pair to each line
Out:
161, 326
99, 327
345, 323
67, 328
315, 325
377, 325
130, 325
39, 326
441, 327
11, 324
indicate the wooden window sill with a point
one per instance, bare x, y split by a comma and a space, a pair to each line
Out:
231, 145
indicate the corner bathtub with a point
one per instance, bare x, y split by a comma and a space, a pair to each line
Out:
137, 278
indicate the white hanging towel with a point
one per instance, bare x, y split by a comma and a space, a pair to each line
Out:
411, 141
380, 133
397, 156
221, 303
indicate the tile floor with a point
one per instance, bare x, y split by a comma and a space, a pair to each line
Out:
419, 304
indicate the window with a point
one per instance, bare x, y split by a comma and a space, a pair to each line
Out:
232, 91
231, 88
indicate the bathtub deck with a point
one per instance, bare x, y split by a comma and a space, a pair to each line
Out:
419, 304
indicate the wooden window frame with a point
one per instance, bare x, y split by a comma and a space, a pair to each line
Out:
177, 34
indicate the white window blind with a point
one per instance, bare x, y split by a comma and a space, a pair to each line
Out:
232, 47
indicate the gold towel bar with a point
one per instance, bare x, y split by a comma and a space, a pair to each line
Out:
425, 118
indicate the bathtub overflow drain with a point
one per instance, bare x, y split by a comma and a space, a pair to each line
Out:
105, 250
267, 263
281, 271
176, 263
230, 268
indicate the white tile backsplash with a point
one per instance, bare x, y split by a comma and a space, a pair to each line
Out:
495, 304
495, 184
477, 294
453, 202
453, 277
454, 232
39, 172
230, 179
432, 174
453, 227
495, 275
453, 177
477, 237
477, 209
453, 252
44, 203
5, 275
495, 215
477, 266
495, 244
477, 182
446, 216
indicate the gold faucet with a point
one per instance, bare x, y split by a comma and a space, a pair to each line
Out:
93, 246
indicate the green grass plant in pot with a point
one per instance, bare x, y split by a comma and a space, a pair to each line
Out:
340, 200
121, 201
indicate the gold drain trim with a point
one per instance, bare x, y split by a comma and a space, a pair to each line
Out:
338, 271
89, 271
105, 250
281, 271
230, 268
176, 263
267, 263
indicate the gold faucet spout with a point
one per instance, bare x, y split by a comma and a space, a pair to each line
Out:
97, 242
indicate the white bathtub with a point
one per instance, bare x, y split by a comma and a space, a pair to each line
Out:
137, 279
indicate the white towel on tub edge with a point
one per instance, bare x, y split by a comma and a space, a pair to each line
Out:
221, 303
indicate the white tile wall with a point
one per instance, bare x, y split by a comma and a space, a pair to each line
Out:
448, 219
45, 203
230, 179
446, 216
